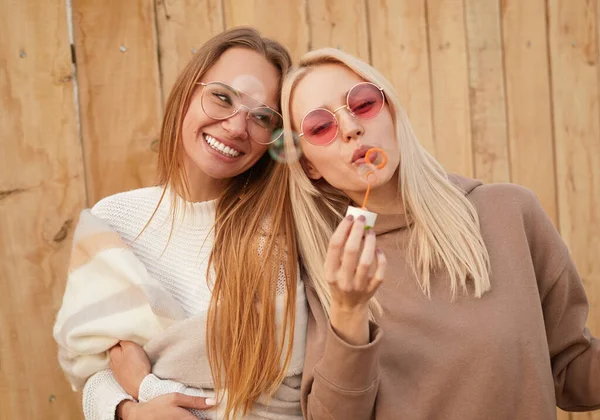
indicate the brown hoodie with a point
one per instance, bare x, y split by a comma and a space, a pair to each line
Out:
515, 353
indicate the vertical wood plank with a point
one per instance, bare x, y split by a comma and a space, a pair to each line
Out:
450, 85
340, 24
120, 98
488, 113
399, 49
575, 90
283, 21
41, 194
528, 99
183, 26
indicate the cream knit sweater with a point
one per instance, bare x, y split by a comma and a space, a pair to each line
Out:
180, 267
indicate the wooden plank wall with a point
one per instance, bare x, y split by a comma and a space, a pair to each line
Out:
504, 90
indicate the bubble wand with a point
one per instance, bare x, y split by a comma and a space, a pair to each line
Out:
370, 176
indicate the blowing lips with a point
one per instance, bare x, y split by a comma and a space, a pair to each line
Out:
358, 157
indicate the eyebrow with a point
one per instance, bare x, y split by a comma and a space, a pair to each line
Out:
344, 99
274, 108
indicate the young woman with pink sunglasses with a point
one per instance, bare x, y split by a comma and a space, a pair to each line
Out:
481, 314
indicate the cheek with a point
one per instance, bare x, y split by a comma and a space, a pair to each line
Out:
320, 157
258, 149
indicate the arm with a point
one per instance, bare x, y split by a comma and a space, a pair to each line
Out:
101, 396
131, 369
104, 398
340, 380
574, 352
341, 372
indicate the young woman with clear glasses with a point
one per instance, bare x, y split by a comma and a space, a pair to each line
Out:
210, 231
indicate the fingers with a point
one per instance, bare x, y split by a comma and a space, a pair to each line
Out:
366, 260
115, 351
336, 244
187, 401
379, 275
129, 345
352, 248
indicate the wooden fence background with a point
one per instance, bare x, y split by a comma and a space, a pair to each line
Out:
502, 90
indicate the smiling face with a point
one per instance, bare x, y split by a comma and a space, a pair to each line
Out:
222, 149
340, 162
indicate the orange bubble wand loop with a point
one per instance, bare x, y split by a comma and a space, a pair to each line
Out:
371, 174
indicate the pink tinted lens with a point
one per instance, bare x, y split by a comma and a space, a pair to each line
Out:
319, 127
365, 100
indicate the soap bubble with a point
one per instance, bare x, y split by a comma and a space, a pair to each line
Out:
277, 149
367, 173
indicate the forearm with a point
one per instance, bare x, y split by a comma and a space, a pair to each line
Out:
578, 383
152, 386
351, 325
102, 395
346, 379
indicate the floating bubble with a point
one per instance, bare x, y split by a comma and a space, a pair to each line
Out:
282, 152
367, 173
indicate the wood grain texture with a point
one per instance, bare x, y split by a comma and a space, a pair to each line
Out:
497, 89
399, 49
488, 105
529, 107
183, 26
450, 85
284, 21
41, 194
120, 103
575, 83
340, 24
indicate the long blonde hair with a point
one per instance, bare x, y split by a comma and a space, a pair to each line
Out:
444, 225
244, 351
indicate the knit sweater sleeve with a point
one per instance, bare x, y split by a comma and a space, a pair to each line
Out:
101, 396
152, 386
574, 352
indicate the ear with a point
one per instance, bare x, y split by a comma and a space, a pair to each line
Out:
310, 169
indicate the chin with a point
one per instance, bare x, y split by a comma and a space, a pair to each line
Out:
223, 173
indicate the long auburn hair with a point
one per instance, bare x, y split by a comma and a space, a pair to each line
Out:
254, 238
444, 226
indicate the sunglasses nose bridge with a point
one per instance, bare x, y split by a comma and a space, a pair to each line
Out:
340, 108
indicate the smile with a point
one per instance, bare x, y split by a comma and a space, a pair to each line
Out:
220, 147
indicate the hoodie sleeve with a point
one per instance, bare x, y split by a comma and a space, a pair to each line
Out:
574, 351
340, 381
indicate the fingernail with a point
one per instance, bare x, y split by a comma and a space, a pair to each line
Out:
362, 218
371, 232
210, 401
350, 217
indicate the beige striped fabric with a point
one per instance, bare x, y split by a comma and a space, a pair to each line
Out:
110, 297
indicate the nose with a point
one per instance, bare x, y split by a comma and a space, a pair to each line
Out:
237, 125
350, 127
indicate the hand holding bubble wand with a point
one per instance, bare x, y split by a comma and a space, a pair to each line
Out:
375, 159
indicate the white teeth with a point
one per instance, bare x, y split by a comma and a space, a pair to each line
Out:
217, 145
